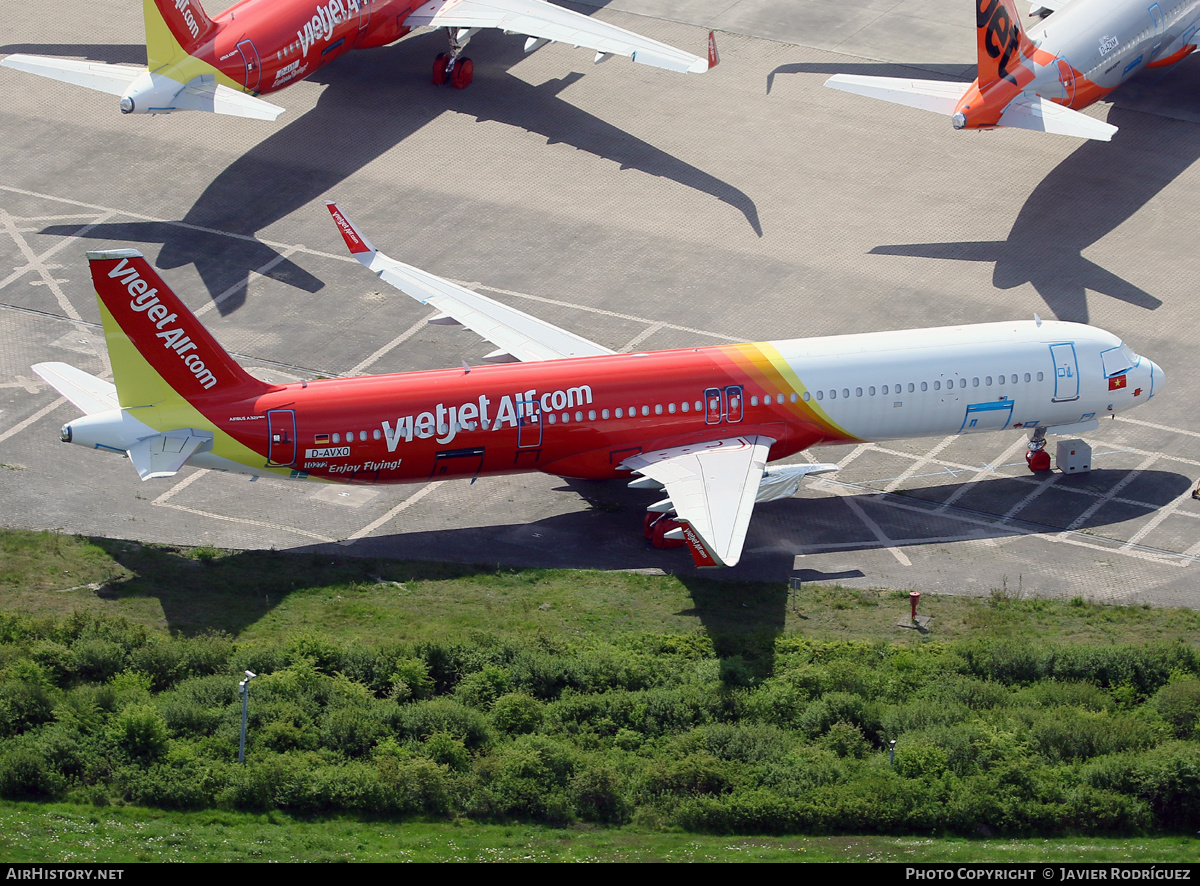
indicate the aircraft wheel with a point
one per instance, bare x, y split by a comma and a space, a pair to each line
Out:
661, 528
464, 73
1038, 461
439, 68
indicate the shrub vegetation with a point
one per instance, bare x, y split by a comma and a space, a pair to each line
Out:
786, 734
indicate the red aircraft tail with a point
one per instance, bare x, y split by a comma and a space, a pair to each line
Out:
1001, 39
157, 347
188, 23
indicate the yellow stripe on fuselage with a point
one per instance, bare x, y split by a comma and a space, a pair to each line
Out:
165, 56
768, 361
152, 401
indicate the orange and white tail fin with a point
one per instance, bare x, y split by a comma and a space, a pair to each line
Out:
1001, 40
158, 349
174, 28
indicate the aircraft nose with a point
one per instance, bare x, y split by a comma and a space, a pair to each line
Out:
1158, 378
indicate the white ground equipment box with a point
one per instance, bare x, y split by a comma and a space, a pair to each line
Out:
1073, 456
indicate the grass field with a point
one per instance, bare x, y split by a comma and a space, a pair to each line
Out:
260, 595
263, 598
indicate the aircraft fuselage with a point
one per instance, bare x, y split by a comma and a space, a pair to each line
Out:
582, 417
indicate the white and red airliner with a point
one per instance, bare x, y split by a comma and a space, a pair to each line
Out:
701, 423
222, 63
1042, 78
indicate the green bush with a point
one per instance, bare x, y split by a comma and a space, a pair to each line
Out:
1178, 703
140, 732
517, 713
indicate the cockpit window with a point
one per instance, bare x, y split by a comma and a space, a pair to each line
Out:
1119, 360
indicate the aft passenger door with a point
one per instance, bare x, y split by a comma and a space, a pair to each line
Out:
281, 438
252, 64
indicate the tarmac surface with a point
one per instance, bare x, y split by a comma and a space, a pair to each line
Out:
641, 209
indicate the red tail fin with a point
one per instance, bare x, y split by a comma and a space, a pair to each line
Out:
187, 21
166, 335
1002, 41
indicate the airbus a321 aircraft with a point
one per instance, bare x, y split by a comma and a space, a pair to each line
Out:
703, 423
1041, 79
220, 64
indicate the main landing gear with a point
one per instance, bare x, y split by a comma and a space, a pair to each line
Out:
1037, 457
656, 526
451, 66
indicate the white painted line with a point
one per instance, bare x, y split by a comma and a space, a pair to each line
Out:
375, 524
1147, 424
181, 485
238, 287
920, 463
985, 472
641, 337
248, 522
1108, 496
38, 264
875, 528
41, 413
1162, 514
392, 345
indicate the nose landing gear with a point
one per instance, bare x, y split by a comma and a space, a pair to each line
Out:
1037, 457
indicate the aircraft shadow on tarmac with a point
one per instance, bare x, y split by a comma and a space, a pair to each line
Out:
1086, 197
373, 101
741, 609
109, 53
608, 534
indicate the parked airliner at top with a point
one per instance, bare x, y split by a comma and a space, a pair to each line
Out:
220, 64
1040, 79
701, 423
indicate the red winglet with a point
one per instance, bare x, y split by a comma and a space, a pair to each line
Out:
355, 242
714, 57
699, 551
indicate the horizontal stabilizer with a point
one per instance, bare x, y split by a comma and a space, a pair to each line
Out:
113, 79
88, 393
205, 95
1042, 115
164, 454
940, 96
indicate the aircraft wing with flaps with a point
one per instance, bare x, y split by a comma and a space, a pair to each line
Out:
516, 334
712, 488
545, 22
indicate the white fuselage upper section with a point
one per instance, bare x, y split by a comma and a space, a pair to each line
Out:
967, 379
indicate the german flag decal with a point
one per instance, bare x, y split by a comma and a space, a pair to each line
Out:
1116, 383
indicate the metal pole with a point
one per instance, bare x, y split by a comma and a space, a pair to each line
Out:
244, 687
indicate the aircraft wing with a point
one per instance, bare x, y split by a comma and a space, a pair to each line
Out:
1028, 111
113, 79
547, 22
712, 488
88, 393
516, 334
